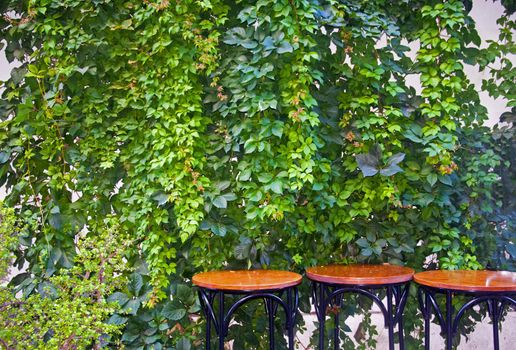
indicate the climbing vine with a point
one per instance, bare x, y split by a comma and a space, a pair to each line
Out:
245, 134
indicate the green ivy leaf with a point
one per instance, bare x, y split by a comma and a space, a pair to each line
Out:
366, 252
432, 179
132, 306
243, 249
119, 297
265, 177
362, 242
183, 344
511, 249
245, 175
390, 170
135, 284
222, 185
277, 187
220, 202
368, 164
446, 180
395, 159
173, 311
161, 198
4, 157
284, 47
230, 196
277, 129
117, 320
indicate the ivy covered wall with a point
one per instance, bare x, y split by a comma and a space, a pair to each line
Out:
247, 134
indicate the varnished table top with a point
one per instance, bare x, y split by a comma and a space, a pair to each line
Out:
247, 280
468, 281
360, 274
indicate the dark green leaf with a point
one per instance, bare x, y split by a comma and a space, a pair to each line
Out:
173, 311
390, 170
243, 249
183, 344
118, 297
367, 163
445, 179
277, 186
222, 185
183, 292
117, 320
395, 159
362, 242
230, 196
4, 157
431, 178
220, 202
264, 177
511, 249
132, 306
135, 284
284, 47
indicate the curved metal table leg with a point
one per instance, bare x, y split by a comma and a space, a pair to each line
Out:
270, 313
336, 329
292, 303
401, 296
390, 322
426, 309
222, 324
450, 324
319, 295
325, 294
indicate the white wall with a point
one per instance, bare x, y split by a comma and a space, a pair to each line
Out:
5, 69
485, 13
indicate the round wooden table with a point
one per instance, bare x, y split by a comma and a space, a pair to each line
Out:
331, 282
495, 288
276, 288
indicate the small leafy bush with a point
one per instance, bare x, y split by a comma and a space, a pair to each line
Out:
68, 310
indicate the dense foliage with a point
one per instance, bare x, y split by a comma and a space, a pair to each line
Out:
267, 134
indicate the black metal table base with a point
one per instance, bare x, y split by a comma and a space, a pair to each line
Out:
326, 295
450, 321
273, 299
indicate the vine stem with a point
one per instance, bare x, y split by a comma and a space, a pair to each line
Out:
301, 343
5, 345
48, 114
13, 303
36, 199
294, 9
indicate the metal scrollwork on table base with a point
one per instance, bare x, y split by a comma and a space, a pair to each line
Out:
273, 299
327, 294
496, 302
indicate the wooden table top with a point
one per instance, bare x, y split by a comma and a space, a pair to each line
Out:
360, 274
469, 281
247, 280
